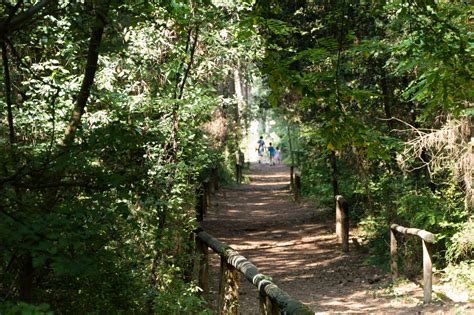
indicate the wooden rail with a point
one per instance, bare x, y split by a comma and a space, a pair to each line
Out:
342, 223
273, 300
427, 239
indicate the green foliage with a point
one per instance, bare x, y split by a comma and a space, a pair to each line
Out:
174, 296
438, 46
25, 309
104, 222
353, 76
462, 243
461, 276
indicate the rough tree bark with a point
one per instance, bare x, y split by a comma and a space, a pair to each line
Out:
8, 100
89, 75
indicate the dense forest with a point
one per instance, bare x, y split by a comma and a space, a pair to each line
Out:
113, 112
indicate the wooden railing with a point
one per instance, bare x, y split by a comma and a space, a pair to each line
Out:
427, 239
273, 300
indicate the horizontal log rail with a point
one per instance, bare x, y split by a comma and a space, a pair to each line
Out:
424, 235
427, 238
273, 300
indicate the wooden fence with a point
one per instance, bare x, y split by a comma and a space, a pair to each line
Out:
427, 239
272, 299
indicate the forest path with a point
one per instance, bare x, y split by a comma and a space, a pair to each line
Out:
295, 244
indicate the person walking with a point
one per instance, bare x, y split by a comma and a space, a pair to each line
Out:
278, 155
271, 153
260, 149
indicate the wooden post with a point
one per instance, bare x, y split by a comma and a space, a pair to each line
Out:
267, 307
206, 195
393, 254
241, 158
297, 188
211, 180
298, 158
292, 181
427, 272
200, 203
263, 304
239, 164
215, 179
275, 309
470, 201
342, 223
242, 164
238, 173
228, 300
345, 225
203, 273
338, 221
427, 239
272, 309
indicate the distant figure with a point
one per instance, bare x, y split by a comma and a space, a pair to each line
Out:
278, 155
261, 149
271, 152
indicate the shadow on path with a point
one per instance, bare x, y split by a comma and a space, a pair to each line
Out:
296, 246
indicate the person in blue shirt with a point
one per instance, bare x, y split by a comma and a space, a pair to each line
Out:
271, 152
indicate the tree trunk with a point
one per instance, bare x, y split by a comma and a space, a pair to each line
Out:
469, 176
91, 67
239, 96
334, 180
290, 144
387, 100
8, 100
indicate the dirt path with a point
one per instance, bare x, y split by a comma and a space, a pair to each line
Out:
295, 245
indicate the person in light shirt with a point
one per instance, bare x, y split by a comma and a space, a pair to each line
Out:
260, 149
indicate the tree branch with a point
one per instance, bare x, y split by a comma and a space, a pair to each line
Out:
178, 75
9, 24
191, 60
